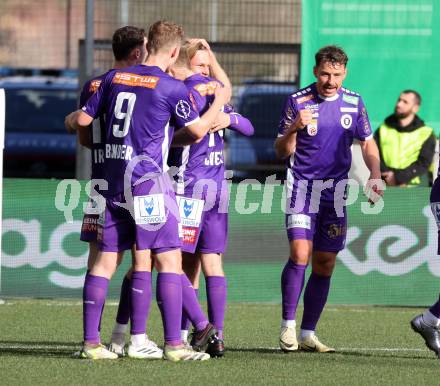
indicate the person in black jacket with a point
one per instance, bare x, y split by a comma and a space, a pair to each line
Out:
406, 144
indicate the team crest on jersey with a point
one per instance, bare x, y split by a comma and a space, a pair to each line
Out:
312, 128
346, 121
183, 109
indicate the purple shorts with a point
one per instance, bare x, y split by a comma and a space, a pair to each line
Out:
435, 208
151, 221
324, 228
89, 228
205, 228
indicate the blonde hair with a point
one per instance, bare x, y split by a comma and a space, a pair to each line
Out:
162, 35
183, 60
193, 48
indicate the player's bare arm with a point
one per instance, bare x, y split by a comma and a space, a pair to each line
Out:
222, 121
79, 122
370, 153
183, 138
285, 145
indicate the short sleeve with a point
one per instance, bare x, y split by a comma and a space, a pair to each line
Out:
288, 116
85, 94
182, 105
363, 127
94, 105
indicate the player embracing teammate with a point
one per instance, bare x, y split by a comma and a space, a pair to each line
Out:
140, 104
201, 185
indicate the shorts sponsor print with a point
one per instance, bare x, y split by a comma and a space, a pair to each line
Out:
89, 228
151, 220
206, 230
323, 227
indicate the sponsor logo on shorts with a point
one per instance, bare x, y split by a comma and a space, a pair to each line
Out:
298, 221
335, 230
190, 211
149, 209
90, 223
189, 235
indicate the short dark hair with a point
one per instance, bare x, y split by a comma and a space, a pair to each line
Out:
331, 54
126, 39
163, 34
417, 96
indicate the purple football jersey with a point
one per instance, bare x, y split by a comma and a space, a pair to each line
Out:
323, 148
97, 127
205, 159
139, 103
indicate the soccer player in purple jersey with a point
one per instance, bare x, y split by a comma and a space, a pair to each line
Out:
316, 132
202, 192
427, 324
139, 103
129, 48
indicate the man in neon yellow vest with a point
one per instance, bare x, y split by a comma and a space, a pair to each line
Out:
406, 144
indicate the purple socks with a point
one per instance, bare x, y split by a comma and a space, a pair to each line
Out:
140, 301
315, 297
191, 306
186, 322
169, 300
94, 294
216, 293
292, 283
123, 315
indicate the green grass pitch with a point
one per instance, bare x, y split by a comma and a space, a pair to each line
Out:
375, 346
